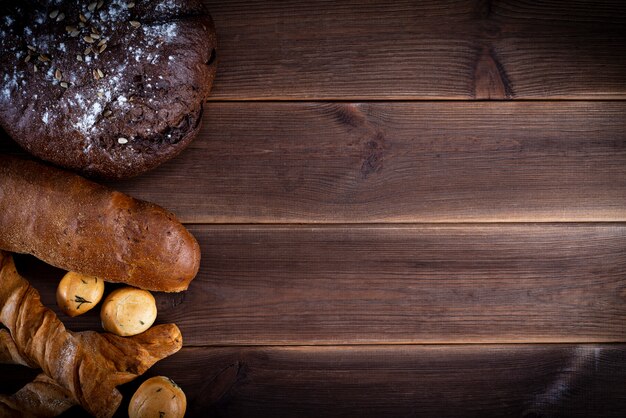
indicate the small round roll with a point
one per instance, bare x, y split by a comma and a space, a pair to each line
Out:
128, 311
78, 293
159, 397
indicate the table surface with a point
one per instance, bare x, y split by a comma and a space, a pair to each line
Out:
405, 208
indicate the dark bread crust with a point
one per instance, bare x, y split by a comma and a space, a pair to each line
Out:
158, 66
78, 225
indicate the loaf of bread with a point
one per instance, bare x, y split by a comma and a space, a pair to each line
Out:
103, 88
77, 225
84, 368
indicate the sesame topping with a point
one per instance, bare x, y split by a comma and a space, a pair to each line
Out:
122, 140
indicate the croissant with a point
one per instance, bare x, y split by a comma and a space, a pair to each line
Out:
82, 368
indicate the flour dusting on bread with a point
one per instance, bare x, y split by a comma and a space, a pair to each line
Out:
134, 69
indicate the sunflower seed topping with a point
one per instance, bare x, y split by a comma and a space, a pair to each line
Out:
58, 75
53, 14
122, 140
88, 39
134, 23
92, 6
64, 84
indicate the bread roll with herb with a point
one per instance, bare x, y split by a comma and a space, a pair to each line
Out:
78, 293
84, 368
128, 311
77, 225
158, 397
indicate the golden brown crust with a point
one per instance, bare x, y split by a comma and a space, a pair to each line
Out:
78, 225
158, 396
128, 311
88, 365
78, 293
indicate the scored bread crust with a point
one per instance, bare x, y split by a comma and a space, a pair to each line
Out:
101, 88
77, 225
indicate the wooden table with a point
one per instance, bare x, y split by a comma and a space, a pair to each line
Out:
406, 208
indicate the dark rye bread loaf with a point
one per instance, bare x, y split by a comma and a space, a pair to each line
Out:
110, 88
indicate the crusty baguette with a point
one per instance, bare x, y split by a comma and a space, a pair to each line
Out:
77, 225
87, 366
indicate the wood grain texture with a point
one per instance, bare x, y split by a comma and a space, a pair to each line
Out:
526, 381
398, 162
275, 285
452, 49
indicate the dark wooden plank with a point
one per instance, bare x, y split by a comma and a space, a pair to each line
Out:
274, 285
451, 49
398, 162
399, 381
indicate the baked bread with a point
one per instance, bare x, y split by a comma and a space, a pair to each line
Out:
158, 396
80, 226
128, 311
79, 293
111, 88
86, 365
41, 398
